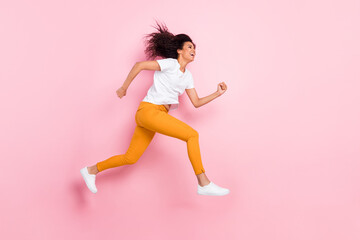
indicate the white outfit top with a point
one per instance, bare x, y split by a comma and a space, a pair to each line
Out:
169, 83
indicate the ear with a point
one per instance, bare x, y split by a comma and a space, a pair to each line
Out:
179, 51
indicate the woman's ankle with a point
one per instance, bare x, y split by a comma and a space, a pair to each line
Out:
93, 170
202, 179
204, 183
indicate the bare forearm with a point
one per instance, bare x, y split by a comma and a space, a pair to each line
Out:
132, 74
204, 100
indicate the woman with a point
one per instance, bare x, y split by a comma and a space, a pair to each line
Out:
171, 79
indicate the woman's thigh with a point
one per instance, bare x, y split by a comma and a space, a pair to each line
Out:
158, 120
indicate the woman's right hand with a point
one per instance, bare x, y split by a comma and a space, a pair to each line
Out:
121, 92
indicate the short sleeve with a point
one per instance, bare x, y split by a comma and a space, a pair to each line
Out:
190, 82
166, 63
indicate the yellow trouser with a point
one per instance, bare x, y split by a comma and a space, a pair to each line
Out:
151, 118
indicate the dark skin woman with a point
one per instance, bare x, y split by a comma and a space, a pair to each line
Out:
184, 54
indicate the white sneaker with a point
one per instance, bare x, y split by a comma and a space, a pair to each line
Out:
212, 189
89, 179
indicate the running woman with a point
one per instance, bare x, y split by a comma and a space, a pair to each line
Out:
171, 79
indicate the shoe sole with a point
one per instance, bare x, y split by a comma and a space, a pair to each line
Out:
213, 194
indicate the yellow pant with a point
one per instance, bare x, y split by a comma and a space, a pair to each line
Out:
151, 118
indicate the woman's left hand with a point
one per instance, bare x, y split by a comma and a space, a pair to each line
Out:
221, 88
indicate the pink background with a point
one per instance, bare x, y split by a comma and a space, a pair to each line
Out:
284, 138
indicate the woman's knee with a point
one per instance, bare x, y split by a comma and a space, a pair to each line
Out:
193, 134
130, 159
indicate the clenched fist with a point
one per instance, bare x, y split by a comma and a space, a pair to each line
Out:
121, 92
221, 88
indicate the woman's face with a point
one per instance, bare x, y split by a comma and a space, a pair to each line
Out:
188, 51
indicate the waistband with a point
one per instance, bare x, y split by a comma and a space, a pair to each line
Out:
149, 104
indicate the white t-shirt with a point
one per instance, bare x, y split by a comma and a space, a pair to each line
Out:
169, 83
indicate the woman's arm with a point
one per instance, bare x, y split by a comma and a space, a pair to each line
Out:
198, 102
138, 67
132, 74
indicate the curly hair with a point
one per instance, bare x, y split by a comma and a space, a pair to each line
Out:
164, 44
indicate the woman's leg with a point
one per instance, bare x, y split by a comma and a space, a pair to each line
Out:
139, 142
151, 118
156, 119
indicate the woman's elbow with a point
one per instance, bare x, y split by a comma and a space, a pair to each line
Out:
138, 65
